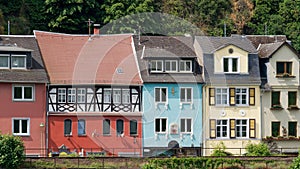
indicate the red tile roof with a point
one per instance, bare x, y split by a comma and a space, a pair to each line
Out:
76, 59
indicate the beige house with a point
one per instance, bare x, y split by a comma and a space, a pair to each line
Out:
280, 96
231, 95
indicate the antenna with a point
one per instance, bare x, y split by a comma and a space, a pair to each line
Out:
224, 29
89, 25
8, 27
139, 35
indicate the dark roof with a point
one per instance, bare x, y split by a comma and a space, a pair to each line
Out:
268, 49
165, 47
208, 45
23, 43
211, 44
262, 39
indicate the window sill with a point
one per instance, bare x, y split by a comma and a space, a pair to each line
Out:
285, 76
21, 135
68, 135
106, 135
23, 100
82, 135
276, 108
281, 138
293, 108
134, 135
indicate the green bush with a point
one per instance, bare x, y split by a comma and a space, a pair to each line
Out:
260, 149
11, 151
219, 151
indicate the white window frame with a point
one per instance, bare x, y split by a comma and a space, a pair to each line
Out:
185, 68
126, 96
61, 95
117, 97
186, 125
240, 95
8, 61
83, 127
160, 125
107, 95
160, 95
221, 128
241, 126
24, 59
155, 62
170, 62
20, 127
219, 95
71, 95
230, 65
81, 92
23, 92
185, 96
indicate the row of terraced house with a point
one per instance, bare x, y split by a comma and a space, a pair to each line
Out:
130, 95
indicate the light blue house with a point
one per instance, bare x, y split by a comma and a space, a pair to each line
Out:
172, 95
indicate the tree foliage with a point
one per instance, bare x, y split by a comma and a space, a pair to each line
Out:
11, 151
260, 149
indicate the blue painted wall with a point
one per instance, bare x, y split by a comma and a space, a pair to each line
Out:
173, 113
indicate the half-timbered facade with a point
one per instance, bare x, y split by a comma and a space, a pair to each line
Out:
23, 82
172, 95
94, 95
231, 95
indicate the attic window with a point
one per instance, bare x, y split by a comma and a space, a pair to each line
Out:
230, 50
12, 61
120, 70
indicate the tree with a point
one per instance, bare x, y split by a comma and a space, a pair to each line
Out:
11, 151
70, 16
241, 14
2, 23
260, 149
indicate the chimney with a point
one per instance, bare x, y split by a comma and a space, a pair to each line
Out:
96, 29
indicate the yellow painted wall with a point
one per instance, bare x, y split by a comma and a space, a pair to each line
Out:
237, 52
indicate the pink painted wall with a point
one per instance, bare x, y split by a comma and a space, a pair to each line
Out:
96, 142
35, 110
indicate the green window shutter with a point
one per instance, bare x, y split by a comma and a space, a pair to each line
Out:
252, 128
212, 96
232, 128
232, 96
251, 96
212, 128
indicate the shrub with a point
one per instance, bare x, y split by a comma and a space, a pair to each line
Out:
219, 150
260, 149
63, 154
11, 151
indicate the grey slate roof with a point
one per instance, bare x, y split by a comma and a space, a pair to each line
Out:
209, 45
158, 47
23, 43
262, 39
268, 49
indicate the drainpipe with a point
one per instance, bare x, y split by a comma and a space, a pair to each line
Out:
47, 114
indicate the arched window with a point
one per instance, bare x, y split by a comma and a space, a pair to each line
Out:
81, 127
68, 127
120, 127
133, 127
106, 127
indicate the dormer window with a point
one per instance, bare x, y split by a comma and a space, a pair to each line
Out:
185, 66
231, 65
171, 65
284, 69
156, 66
8, 61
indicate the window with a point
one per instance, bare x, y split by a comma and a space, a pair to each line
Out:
160, 125
241, 128
292, 99
222, 129
160, 94
275, 129
186, 125
18, 61
107, 95
81, 127
283, 68
230, 65
106, 127
156, 66
292, 129
171, 65
186, 95
61, 95
133, 127
126, 96
185, 66
117, 95
68, 127
71, 95
241, 95
276, 99
21, 126
221, 96
81, 95
4, 61
23, 93
120, 127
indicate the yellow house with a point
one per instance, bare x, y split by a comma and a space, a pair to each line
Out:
231, 103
